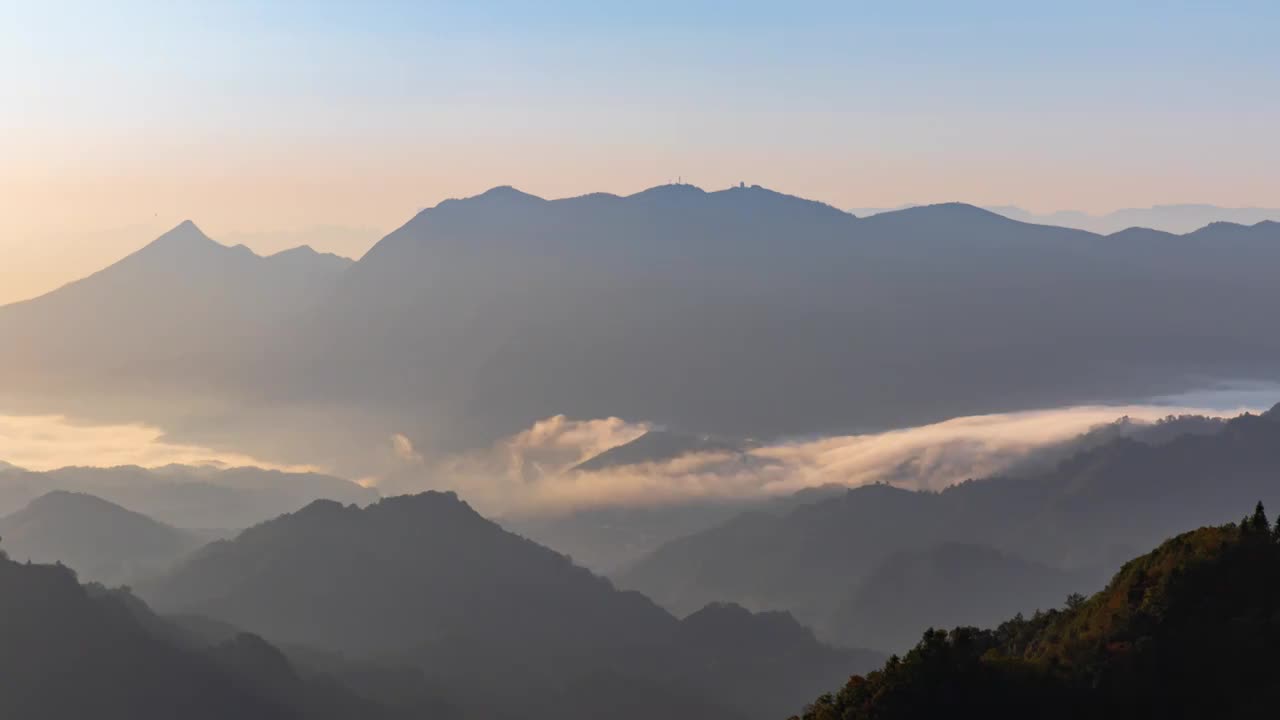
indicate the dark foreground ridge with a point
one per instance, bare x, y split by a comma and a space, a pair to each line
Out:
70, 652
1191, 630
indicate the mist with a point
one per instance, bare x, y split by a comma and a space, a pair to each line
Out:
48, 442
535, 472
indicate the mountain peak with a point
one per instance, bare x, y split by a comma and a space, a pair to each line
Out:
507, 192
67, 498
75, 507
301, 250
671, 190
953, 209
502, 196
186, 233
183, 241
305, 256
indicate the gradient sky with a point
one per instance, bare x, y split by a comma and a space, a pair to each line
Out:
285, 122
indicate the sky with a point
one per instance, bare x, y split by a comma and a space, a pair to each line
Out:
276, 124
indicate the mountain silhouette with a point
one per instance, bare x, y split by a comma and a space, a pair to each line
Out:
145, 319
1165, 219
610, 539
1079, 517
188, 497
1186, 631
69, 651
101, 541
736, 313
948, 585
749, 313
1182, 218
493, 617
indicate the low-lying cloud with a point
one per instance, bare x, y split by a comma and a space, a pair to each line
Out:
48, 442
534, 471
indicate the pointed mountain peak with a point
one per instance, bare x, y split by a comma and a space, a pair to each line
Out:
184, 236
185, 230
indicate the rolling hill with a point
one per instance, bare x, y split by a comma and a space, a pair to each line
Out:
101, 541
493, 617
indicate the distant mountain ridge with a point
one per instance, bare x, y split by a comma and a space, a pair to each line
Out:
740, 313
193, 498
1175, 219
144, 319
101, 541
1081, 516
604, 305
948, 585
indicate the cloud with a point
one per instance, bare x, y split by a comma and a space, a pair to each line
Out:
532, 471
513, 471
47, 442
403, 449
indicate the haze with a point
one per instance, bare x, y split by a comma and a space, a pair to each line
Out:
652, 360
331, 126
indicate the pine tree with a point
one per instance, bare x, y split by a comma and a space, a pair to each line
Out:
1259, 520
1275, 534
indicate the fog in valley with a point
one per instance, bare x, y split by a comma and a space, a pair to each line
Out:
674, 361
742, 517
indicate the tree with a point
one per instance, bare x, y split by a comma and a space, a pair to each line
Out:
1259, 522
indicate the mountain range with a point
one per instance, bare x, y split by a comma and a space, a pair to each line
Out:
509, 627
1023, 540
1180, 218
610, 538
202, 499
737, 313
418, 606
